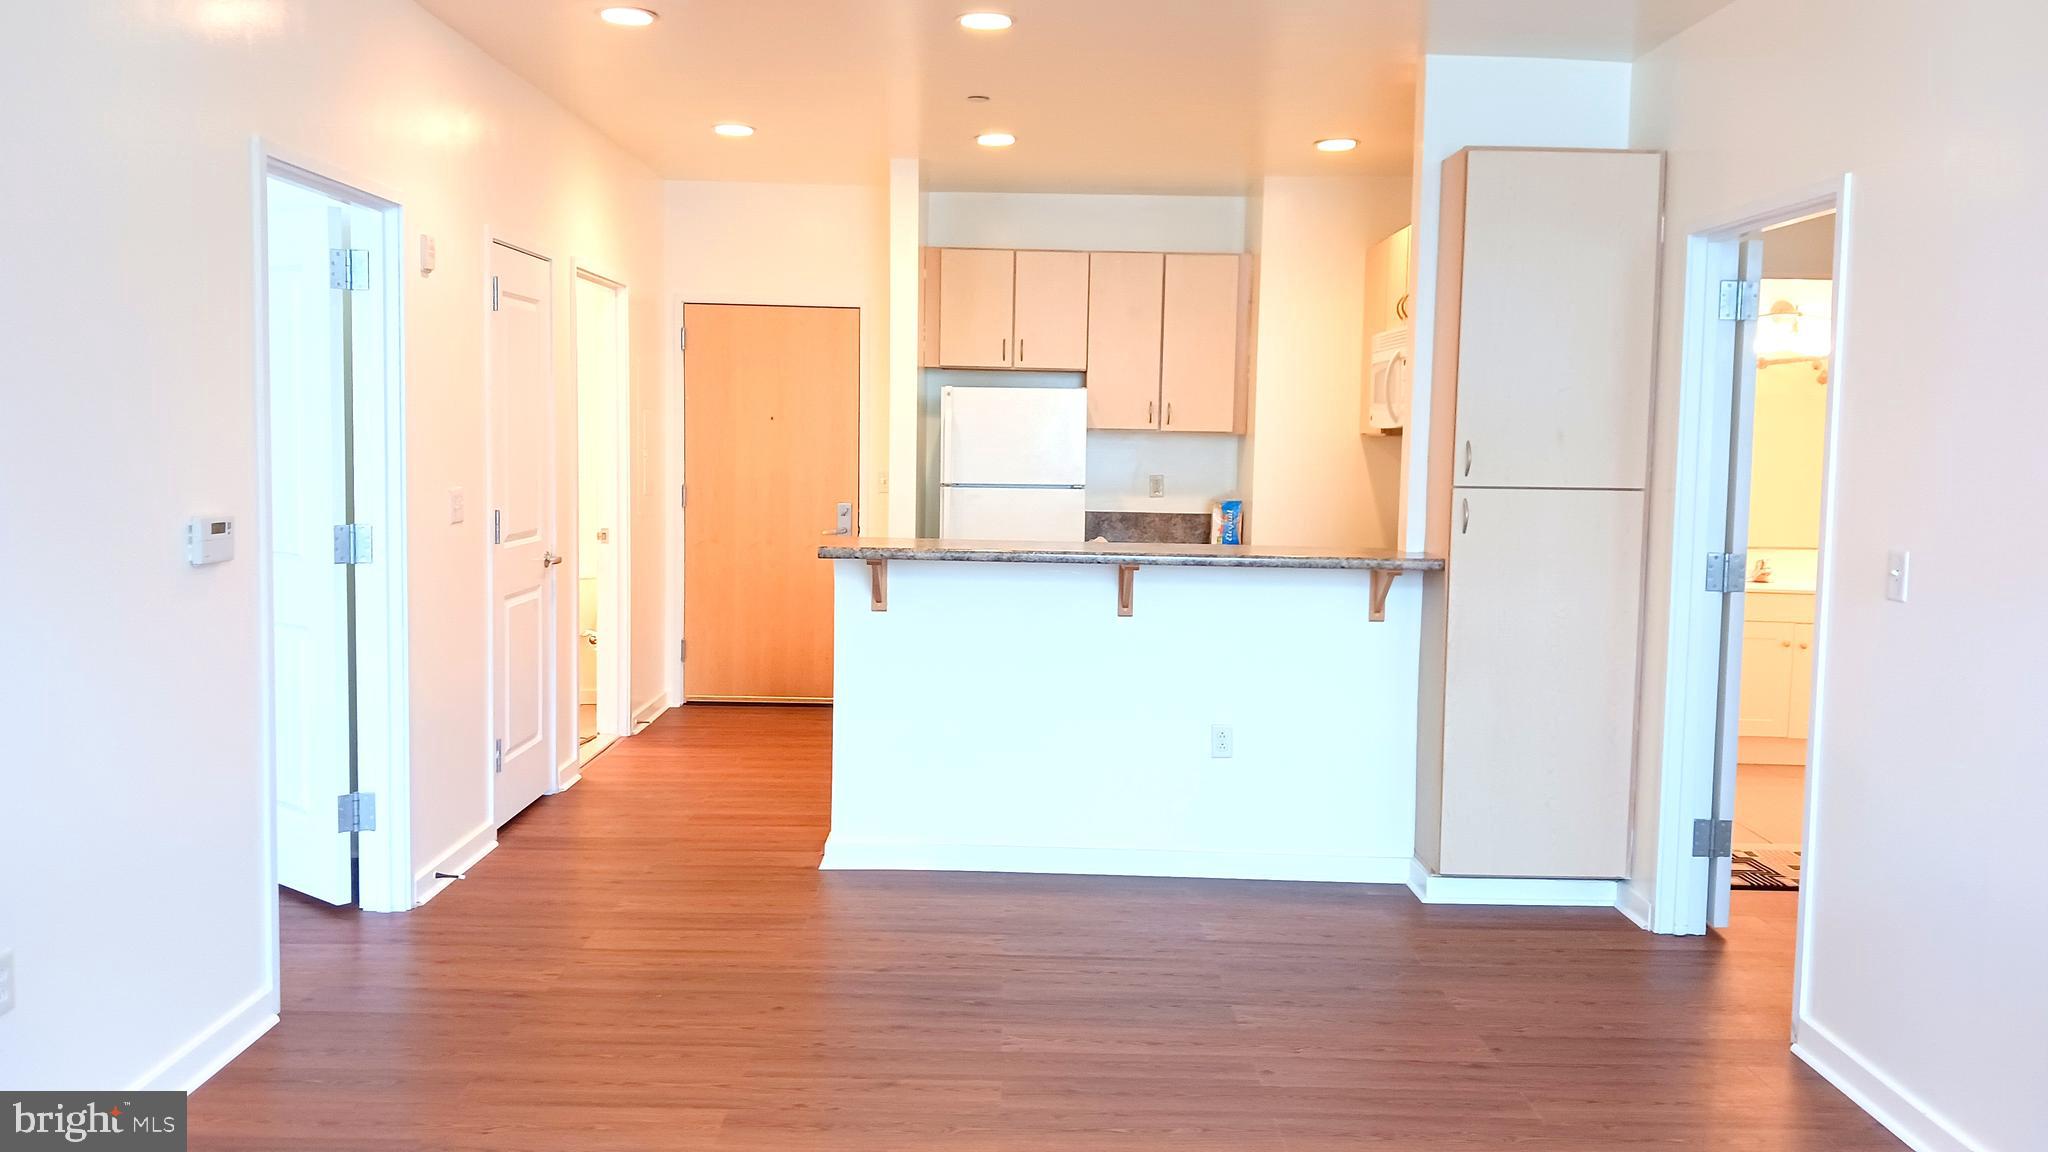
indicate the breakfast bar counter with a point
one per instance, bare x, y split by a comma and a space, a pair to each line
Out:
1133, 709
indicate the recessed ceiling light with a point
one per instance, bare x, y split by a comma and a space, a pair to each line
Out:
985, 21
1336, 144
733, 129
995, 139
627, 17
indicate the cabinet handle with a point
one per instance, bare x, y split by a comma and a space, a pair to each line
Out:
1784, 643
1802, 645
1005, 357
1468, 457
1464, 516
1020, 351
1149, 406
1169, 412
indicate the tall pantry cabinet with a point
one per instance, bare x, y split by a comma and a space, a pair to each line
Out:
1538, 456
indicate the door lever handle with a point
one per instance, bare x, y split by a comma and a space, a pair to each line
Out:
549, 559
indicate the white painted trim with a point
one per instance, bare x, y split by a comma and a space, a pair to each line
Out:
195, 1062
1890, 1104
672, 469
461, 858
568, 772
1679, 903
615, 608
844, 854
1633, 902
646, 713
1509, 891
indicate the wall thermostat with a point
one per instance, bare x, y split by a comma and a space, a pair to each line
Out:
209, 539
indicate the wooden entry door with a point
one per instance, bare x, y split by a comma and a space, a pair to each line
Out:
771, 415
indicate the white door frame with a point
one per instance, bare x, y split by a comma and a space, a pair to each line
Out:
1704, 486
383, 630
615, 595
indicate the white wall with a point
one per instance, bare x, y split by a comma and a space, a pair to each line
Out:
1119, 779
796, 244
132, 854
1086, 223
1310, 478
1925, 909
1489, 101
1198, 468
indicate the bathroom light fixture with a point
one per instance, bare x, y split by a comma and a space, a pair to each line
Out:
1336, 144
733, 130
627, 17
985, 21
995, 139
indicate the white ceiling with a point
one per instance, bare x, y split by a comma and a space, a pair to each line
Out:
1103, 95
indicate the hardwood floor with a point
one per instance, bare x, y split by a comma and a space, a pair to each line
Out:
652, 961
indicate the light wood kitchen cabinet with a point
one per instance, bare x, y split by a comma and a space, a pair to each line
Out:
1387, 266
1546, 315
1533, 774
1051, 325
1201, 368
1126, 294
977, 307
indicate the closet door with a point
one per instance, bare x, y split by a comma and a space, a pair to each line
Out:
1557, 318
1200, 349
1125, 294
977, 300
1540, 682
1052, 311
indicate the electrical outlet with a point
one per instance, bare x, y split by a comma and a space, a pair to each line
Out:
6, 982
1156, 486
1220, 742
1898, 570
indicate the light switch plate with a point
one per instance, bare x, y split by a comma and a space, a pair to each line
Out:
6, 982
1156, 486
426, 255
1898, 572
455, 510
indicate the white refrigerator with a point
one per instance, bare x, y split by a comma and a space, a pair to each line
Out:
1013, 463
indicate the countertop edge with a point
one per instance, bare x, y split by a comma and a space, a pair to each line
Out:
1392, 563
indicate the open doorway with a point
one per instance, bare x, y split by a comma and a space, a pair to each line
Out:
602, 559
1792, 345
332, 532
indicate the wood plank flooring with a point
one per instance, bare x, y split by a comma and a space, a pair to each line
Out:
652, 961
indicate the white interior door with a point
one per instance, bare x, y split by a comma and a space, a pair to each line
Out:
521, 454
311, 725
599, 363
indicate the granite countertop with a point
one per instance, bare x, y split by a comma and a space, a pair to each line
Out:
1167, 555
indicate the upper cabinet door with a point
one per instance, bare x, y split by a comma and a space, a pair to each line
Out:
1201, 363
1558, 313
1125, 301
976, 301
1052, 312
1386, 282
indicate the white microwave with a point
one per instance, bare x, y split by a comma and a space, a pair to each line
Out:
1388, 379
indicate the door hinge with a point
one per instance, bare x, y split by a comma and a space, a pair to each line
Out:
1727, 572
1738, 300
354, 544
497, 526
682, 650
348, 269
355, 812
682, 339
682, 495
497, 756
1713, 839
494, 293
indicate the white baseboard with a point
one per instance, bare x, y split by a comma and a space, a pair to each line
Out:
461, 858
1906, 1115
842, 853
1509, 891
1634, 903
646, 713
199, 1058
